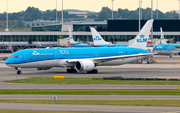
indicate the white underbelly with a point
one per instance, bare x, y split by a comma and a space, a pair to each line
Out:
42, 64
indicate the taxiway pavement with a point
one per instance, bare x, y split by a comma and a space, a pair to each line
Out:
90, 97
87, 108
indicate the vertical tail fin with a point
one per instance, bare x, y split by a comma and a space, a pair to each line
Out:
71, 37
162, 37
97, 39
140, 40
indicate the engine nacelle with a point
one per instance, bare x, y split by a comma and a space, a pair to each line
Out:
84, 65
43, 68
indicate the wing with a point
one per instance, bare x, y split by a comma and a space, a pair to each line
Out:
104, 59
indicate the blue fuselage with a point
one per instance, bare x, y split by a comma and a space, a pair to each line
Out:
35, 55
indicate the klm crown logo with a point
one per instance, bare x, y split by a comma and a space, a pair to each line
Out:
71, 37
142, 39
97, 38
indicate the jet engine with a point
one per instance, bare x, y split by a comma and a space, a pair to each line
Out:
44, 68
84, 65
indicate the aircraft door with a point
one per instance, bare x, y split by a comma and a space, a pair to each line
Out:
56, 55
26, 57
97, 54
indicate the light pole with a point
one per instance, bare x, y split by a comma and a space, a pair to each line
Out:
112, 9
62, 17
152, 18
139, 15
141, 10
56, 11
157, 9
7, 18
179, 9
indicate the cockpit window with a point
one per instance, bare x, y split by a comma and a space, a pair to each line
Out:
13, 56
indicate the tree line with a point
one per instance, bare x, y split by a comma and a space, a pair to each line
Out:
106, 13
32, 13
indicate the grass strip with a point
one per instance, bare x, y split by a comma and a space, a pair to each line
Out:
48, 80
172, 103
13, 111
91, 92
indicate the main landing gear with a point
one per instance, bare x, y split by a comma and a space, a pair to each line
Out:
95, 71
18, 70
71, 70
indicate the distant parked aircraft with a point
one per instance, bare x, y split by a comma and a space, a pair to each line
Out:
77, 44
100, 42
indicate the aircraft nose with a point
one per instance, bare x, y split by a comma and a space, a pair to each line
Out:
7, 61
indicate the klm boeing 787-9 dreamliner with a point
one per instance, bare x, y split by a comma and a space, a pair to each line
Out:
82, 59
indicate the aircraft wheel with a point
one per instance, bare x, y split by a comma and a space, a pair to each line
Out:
170, 56
71, 71
74, 70
68, 70
19, 72
95, 71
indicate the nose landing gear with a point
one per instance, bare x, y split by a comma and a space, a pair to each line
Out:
18, 70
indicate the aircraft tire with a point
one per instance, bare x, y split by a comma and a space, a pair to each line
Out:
19, 72
71, 71
95, 71
74, 71
68, 70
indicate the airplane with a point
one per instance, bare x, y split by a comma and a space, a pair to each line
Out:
100, 42
82, 59
164, 48
163, 42
77, 44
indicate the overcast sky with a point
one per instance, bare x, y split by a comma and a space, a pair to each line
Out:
91, 5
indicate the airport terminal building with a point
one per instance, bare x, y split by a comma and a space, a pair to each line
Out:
122, 30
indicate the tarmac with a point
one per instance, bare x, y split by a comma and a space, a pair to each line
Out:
164, 68
90, 97
88, 108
